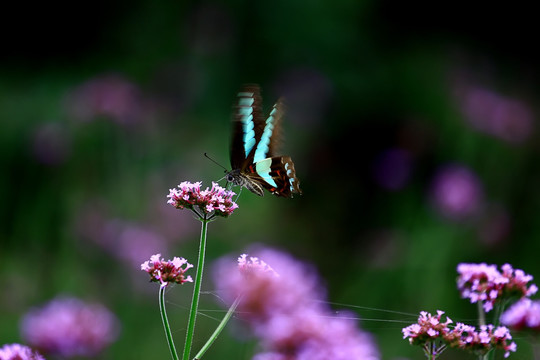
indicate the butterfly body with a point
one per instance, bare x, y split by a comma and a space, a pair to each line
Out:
254, 164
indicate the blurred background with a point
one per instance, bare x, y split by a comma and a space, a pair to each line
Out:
413, 127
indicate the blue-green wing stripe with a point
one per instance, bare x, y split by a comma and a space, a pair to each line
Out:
246, 113
261, 152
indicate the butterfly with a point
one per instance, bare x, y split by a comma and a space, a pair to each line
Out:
254, 139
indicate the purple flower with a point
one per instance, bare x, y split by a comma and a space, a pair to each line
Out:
524, 314
167, 271
466, 337
482, 282
434, 336
279, 302
503, 117
254, 264
428, 328
215, 201
69, 327
456, 192
112, 96
18, 352
264, 292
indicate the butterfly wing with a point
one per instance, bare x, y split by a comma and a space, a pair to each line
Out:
248, 127
277, 175
254, 145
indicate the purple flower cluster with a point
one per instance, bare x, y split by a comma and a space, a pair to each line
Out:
109, 95
482, 282
524, 314
18, 352
216, 201
430, 329
167, 271
69, 327
456, 192
279, 304
507, 118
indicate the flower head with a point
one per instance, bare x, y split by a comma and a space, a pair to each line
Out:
253, 264
279, 303
431, 330
69, 327
18, 352
482, 282
217, 200
167, 271
481, 342
457, 192
524, 314
428, 328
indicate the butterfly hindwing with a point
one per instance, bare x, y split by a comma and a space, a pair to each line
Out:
277, 175
253, 147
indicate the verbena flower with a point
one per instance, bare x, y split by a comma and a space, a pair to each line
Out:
281, 305
427, 328
482, 282
509, 119
109, 95
524, 314
215, 201
168, 271
456, 192
18, 352
69, 327
253, 264
431, 330
264, 292
480, 342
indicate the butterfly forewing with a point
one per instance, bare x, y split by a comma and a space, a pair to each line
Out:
248, 126
253, 147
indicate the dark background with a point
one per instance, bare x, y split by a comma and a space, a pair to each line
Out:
105, 106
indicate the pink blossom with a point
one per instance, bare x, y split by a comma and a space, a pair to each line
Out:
215, 201
428, 326
167, 271
430, 330
482, 282
18, 352
111, 96
69, 327
524, 314
509, 119
279, 302
457, 193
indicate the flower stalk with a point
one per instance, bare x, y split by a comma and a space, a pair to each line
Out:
218, 330
196, 289
165, 321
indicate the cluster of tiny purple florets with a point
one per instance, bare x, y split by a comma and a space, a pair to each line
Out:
217, 200
18, 352
482, 282
278, 302
430, 329
523, 315
168, 271
69, 327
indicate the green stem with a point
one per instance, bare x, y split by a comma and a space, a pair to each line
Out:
196, 290
481, 314
497, 311
218, 330
165, 321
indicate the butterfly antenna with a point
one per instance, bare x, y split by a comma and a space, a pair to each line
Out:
215, 162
